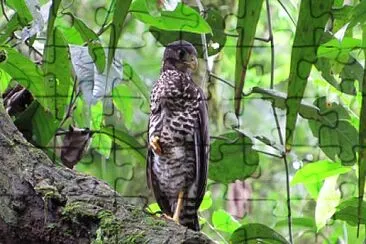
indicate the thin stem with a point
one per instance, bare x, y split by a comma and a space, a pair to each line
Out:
105, 25
288, 193
216, 232
288, 14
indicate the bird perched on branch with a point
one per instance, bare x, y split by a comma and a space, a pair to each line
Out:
177, 158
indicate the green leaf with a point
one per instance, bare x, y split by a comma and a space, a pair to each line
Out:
153, 208
96, 115
223, 221
348, 211
318, 171
21, 9
26, 73
95, 48
127, 142
119, 14
37, 124
339, 50
215, 42
57, 70
246, 28
302, 222
11, 26
129, 74
233, 154
183, 18
328, 199
256, 233
4, 81
206, 202
278, 99
123, 99
102, 143
311, 23
337, 136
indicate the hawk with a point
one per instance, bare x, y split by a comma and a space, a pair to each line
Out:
177, 159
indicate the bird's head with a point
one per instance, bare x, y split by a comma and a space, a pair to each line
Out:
180, 55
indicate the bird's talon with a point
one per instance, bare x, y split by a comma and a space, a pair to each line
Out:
155, 145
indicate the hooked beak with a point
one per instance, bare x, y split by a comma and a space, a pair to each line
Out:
193, 63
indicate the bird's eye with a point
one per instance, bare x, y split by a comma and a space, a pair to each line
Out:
181, 53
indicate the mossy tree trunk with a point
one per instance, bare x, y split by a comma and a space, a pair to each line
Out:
44, 203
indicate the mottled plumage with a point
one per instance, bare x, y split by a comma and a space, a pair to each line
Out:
179, 119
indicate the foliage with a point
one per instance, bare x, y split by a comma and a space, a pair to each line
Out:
92, 66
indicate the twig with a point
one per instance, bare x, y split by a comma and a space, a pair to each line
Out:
288, 14
216, 232
288, 193
105, 26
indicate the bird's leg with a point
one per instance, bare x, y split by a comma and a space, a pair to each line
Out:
178, 208
154, 143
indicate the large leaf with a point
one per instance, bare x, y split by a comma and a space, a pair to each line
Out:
20, 6
327, 201
206, 202
183, 18
119, 14
21, 69
94, 85
223, 221
318, 171
215, 42
37, 124
313, 16
337, 136
349, 211
127, 141
248, 16
129, 74
339, 50
11, 26
278, 99
256, 233
95, 48
234, 155
57, 71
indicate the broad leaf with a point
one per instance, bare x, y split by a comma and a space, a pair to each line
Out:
318, 171
215, 42
37, 124
95, 48
57, 71
339, 50
206, 202
94, 85
119, 14
102, 143
256, 233
311, 22
233, 154
26, 73
327, 201
223, 221
348, 211
127, 142
337, 136
303, 222
183, 18
246, 27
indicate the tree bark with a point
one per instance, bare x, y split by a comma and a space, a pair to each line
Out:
44, 203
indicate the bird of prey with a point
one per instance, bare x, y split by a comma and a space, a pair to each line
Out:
177, 159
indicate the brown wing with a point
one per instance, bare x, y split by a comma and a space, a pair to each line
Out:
156, 115
202, 146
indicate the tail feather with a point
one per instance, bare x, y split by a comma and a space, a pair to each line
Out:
191, 222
